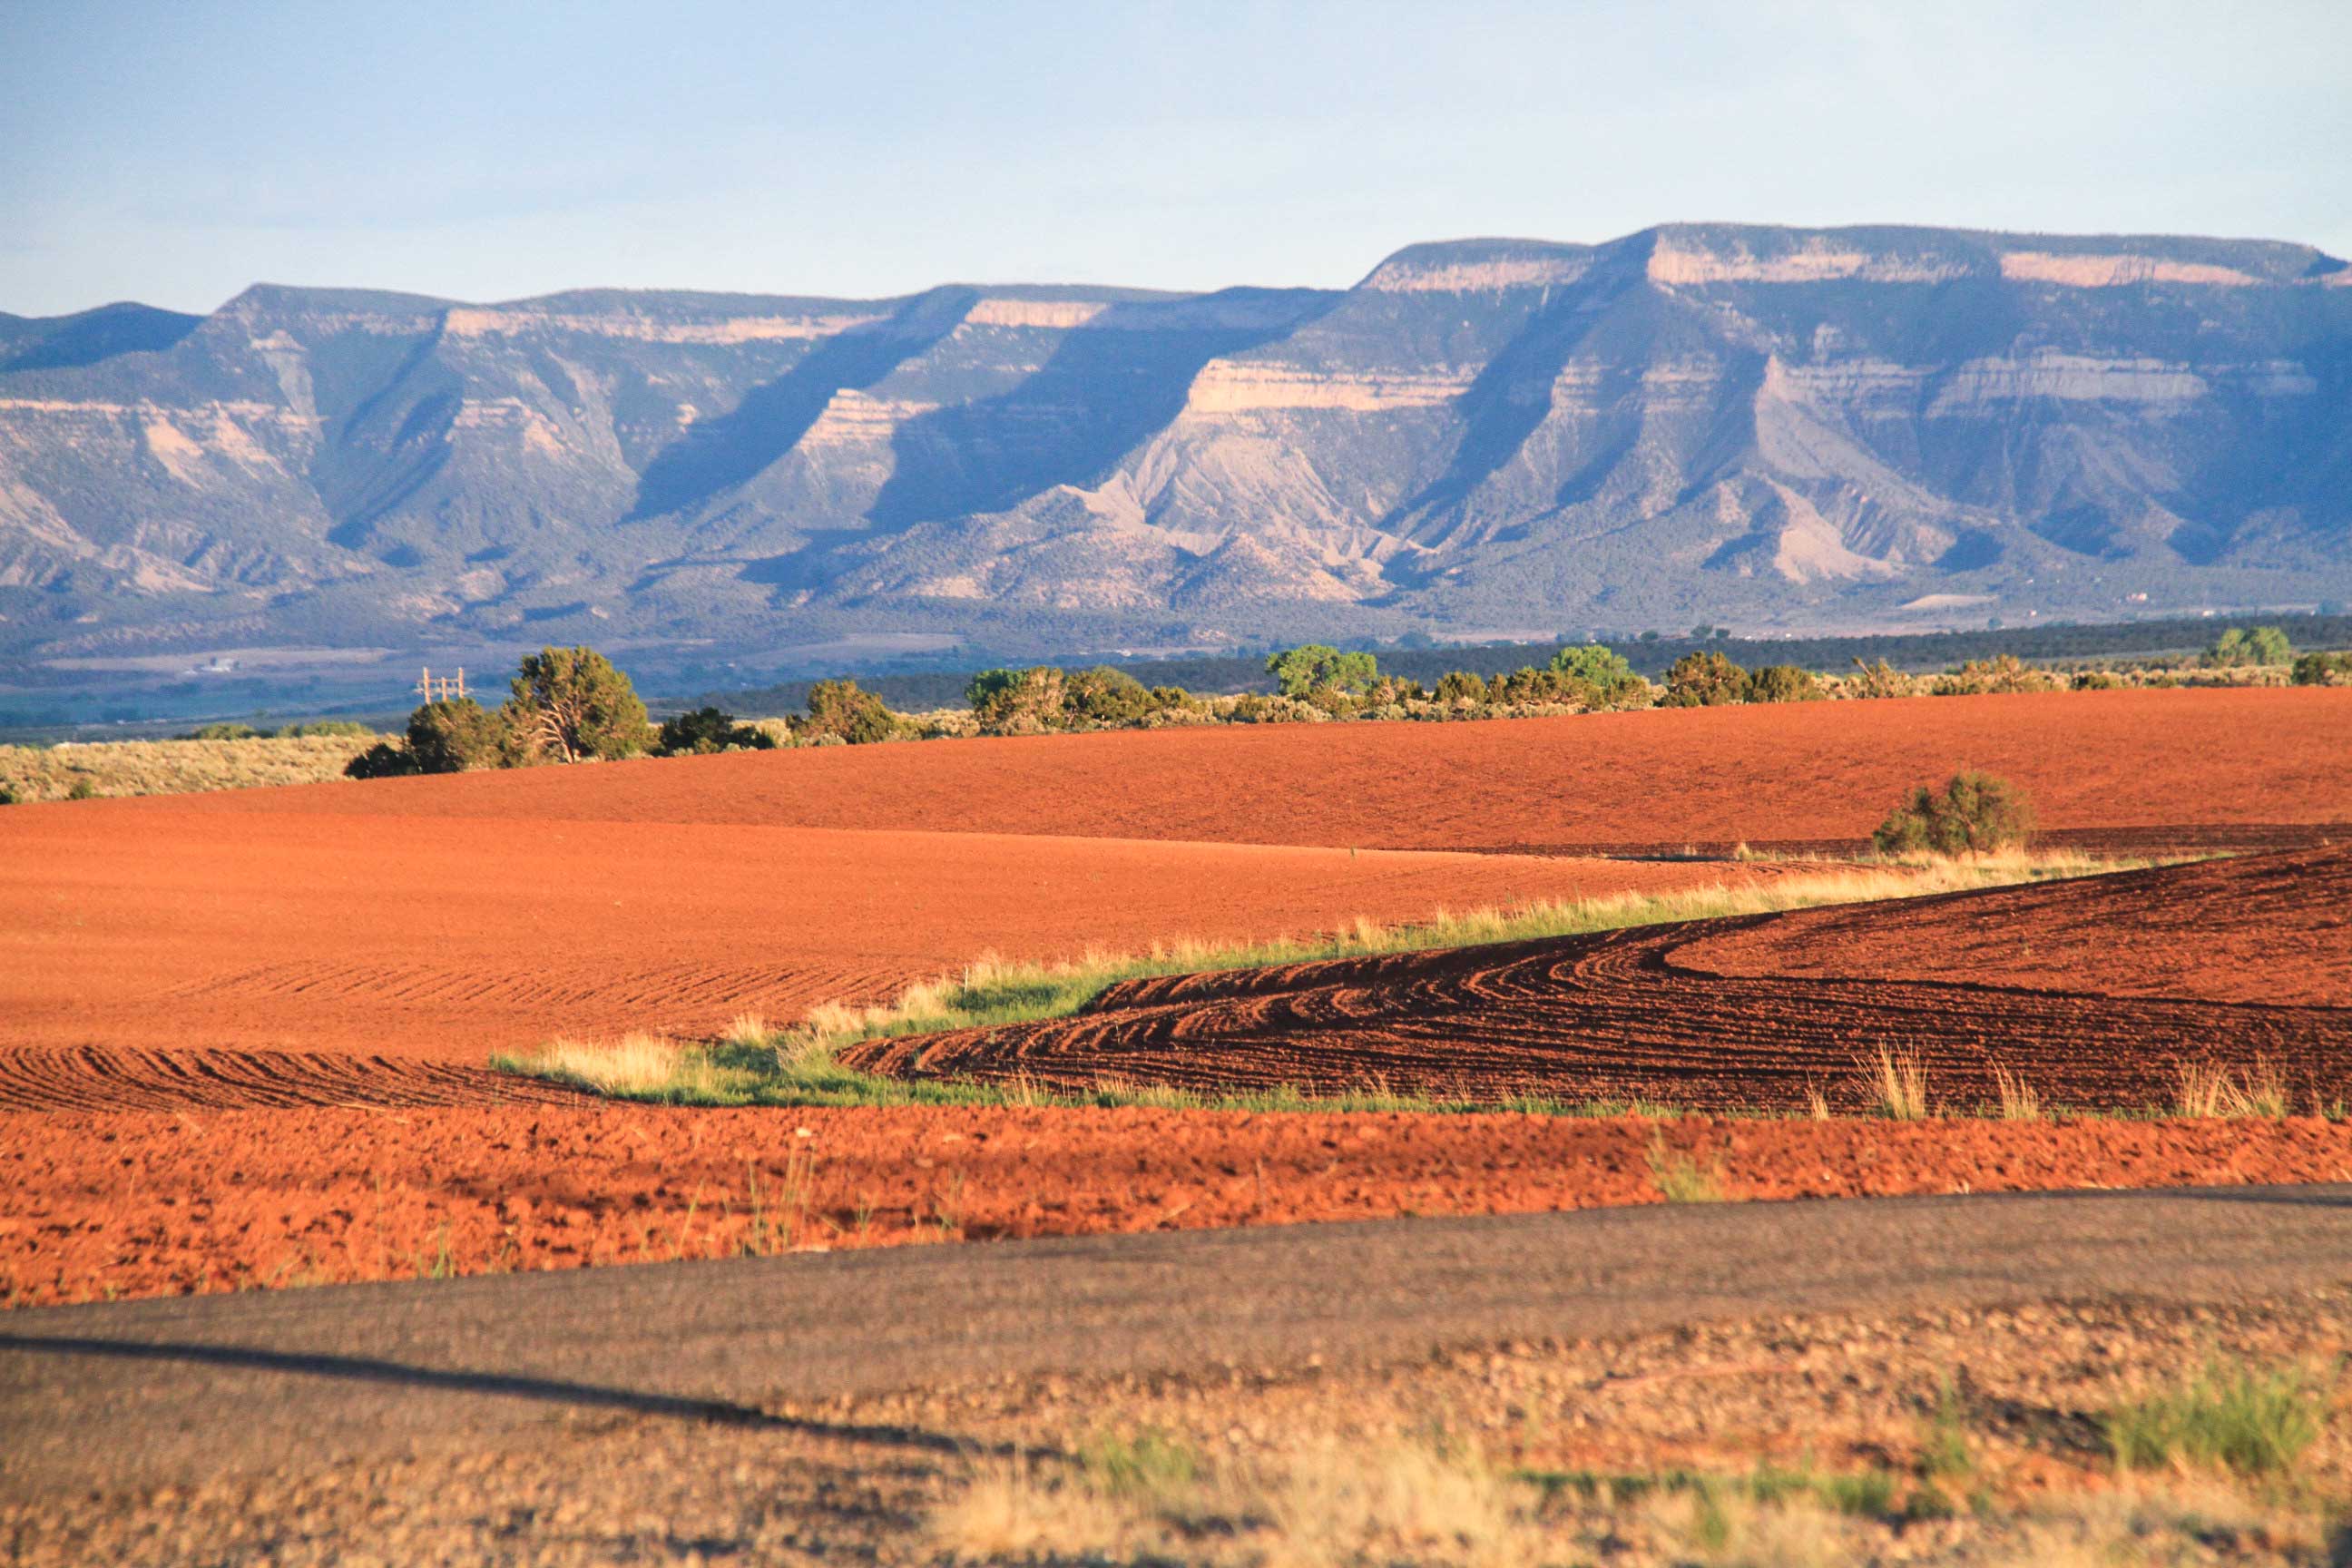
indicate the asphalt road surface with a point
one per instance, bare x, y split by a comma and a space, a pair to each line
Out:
179, 1391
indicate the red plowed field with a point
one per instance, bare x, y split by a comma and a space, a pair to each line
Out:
132, 1204
2226, 768
139, 923
95, 1078
2269, 930
1645, 1014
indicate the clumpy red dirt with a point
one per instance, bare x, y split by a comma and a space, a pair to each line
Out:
1651, 1014
133, 1204
2133, 767
139, 924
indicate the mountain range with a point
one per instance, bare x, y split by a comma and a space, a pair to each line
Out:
1780, 429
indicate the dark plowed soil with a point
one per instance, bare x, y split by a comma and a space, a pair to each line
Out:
2173, 839
2272, 930
2146, 973
93, 1079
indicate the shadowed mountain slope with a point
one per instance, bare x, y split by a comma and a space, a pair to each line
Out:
1794, 429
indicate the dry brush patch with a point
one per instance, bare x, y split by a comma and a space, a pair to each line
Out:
107, 768
2041, 1433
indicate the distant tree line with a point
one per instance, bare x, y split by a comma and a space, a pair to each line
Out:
316, 728
571, 705
1419, 659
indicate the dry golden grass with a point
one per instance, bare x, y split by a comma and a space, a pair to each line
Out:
1325, 1507
1008, 1513
2209, 1090
1337, 1506
1722, 1525
2020, 1101
1680, 1179
174, 767
1332, 1504
2159, 1519
633, 1065
1897, 1082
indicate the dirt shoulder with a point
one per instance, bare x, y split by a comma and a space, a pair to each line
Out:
1961, 1437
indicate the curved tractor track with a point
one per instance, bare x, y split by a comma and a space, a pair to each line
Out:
1634, 1014
95, 1078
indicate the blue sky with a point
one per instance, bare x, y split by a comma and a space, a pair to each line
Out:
176, 152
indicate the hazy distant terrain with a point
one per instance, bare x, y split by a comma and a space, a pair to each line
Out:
1777, 428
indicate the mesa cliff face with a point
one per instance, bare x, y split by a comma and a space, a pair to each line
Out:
1784, 427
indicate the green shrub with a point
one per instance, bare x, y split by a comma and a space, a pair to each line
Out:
1606, 677
82, 790
1521, 687
1704, 680
1103, 696
223, 732
1174, 699
7, 796
1978, 678
1783, 683
455, 735
1017, 702
1332, 701
1299, 670
571, 704
1976, 813
1459, 686
1880, 679
2097, 680
985, 686
839, 709
385, 760
1258, 708
704, 731
2323, 669
2235, 649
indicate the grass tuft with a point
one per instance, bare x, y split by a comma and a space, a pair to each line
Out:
1683, 1180
1897, 1082
2020, 1101
1151, 1469
2248, 1421
2208, 1090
